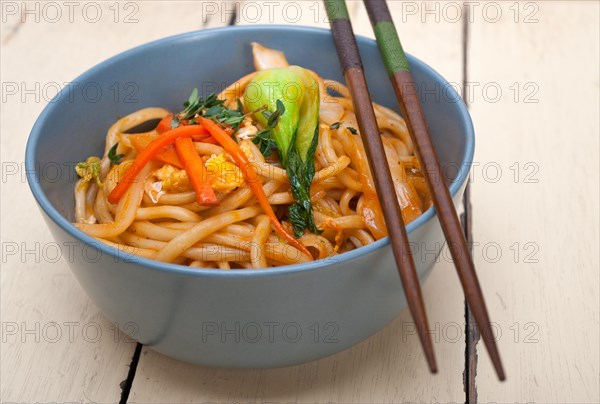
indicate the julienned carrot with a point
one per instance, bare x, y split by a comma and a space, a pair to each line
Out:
166, 155
165, 125
251, 177
204, 139
147, 154
194, 166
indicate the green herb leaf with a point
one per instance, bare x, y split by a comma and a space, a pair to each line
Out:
212, 108
274, 118
191, 104
197, 106
213, 111
335, 125
193, 98
352, 130
264, 141
113, 156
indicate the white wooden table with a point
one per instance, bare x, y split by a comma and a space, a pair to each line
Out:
530, 73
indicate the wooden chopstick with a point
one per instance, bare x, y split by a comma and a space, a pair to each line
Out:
398, 68
355, 79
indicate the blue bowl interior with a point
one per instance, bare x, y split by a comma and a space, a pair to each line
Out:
163, 73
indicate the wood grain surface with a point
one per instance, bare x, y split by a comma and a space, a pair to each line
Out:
536, 220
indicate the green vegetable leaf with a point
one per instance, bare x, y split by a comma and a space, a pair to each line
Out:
264, 141
301, 175
335, 125
213, 111
225, 116
263, 93
211, 108
308, 123
113, 156
288, 101
89, 170
191, 105
198, 106
194, 98
273, 117
352, 130
264, 138
298, 218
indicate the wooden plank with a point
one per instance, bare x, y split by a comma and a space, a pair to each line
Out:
56, 346
388, 367
535, 197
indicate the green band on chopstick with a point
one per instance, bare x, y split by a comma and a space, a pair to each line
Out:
391, 48
336, 10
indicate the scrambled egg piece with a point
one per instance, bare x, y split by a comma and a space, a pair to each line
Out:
173, 180
224, 176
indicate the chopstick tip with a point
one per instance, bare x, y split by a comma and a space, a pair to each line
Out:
431, 360
500, 372
496, 362
492, 349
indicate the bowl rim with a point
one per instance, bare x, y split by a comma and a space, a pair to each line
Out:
64, 224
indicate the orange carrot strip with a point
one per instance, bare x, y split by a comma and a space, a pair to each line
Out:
194, 166
166, 155
164, 124
146, 155
204, 139
251, 178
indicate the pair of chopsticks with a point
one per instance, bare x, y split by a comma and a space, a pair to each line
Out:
399, 71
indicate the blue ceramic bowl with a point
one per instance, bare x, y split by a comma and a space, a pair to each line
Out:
239, 318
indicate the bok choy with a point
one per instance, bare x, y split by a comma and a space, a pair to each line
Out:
292, 95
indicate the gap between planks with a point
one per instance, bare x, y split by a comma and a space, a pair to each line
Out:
471, 331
